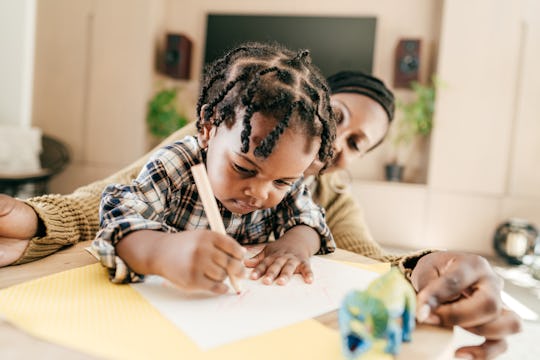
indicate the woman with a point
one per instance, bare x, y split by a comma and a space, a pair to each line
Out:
459, 289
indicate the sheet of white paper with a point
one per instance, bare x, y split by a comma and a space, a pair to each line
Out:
212, 320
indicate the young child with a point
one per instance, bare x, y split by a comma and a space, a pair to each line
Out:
264, 116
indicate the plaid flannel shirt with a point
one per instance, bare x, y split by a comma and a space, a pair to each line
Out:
164, 197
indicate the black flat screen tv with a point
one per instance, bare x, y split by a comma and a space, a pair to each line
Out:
336, 43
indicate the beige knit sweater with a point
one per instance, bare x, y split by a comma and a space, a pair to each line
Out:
68, 219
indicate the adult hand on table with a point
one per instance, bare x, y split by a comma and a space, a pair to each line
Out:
18, 224
462, 289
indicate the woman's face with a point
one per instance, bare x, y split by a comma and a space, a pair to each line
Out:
362, 124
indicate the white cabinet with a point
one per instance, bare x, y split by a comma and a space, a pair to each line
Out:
479, 64
485, 155
395, 213
524, 178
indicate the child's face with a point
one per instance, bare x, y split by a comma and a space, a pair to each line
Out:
243, 182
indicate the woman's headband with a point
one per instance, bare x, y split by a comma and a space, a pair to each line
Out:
363, 84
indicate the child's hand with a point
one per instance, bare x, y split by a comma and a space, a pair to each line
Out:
199, 260
287, 256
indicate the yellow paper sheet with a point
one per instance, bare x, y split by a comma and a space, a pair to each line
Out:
81, 309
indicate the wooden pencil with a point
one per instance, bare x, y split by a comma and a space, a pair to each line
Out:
211, 209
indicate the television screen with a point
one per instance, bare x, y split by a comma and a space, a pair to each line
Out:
336, 43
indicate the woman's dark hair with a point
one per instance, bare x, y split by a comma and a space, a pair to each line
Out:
357, 82
274, 81
360, 83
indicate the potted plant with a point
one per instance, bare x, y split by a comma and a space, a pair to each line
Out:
416, 121
163, 117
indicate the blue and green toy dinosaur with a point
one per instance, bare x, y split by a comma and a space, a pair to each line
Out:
383, 313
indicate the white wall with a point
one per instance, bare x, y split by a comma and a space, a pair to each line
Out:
485, 156
395, 20
94, 76
95, 59
17, 21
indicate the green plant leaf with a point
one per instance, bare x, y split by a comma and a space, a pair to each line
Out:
163, 117
417, 119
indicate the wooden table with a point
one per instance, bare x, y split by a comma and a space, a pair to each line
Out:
429, 342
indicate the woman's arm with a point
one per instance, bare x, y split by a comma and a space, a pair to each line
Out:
67, 219
346, 221
473, 298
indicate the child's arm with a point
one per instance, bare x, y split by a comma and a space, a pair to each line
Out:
199, 259
279, 260
140, 222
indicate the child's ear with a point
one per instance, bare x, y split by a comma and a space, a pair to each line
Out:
206, 128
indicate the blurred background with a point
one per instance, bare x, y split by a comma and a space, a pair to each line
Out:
100, 82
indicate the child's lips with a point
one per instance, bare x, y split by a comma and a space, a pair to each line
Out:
244, 206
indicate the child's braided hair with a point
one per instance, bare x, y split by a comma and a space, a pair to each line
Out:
272, 80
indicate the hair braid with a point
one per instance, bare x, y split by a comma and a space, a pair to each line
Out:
267, 145
209, 111
301, 58
274, 81
216, 72
326, 150
204, 90
246, 132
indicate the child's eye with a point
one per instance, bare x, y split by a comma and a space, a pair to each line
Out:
283, 183
242, 170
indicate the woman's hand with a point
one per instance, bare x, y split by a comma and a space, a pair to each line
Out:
18, 224
462, 289
289, 255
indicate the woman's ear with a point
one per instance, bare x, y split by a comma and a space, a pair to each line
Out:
206, 128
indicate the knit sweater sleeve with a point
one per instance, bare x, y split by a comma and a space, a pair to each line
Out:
346, 221
67, 219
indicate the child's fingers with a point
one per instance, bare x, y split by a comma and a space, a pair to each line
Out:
201, 281
255, 260
262, 267
215, 272
236, 268
230, 246
273, 270
216, 287
287, 272
305, 270
228, 263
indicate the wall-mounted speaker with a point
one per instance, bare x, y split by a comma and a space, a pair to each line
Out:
407, 62
177, 59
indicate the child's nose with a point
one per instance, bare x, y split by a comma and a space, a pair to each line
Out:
258, 193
